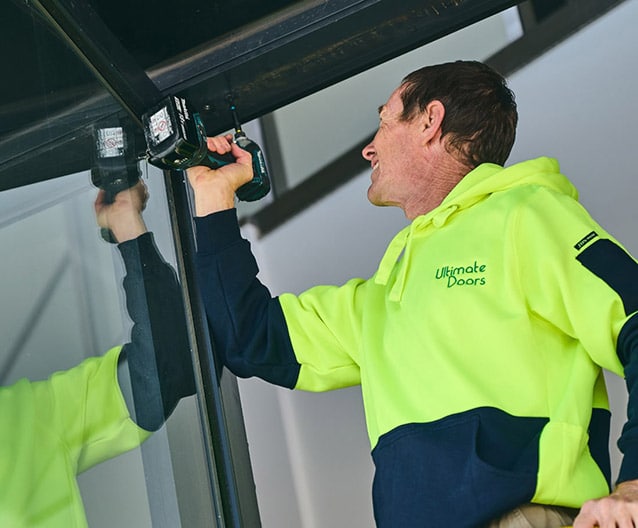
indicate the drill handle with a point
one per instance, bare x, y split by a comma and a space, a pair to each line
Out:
215, 160
256, 188
259, 186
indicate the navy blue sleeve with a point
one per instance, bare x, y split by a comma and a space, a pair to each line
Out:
619, 270
158, 356
628, 442
247, 324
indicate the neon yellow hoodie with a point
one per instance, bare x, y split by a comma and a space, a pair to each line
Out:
54, 429
481, 303
478, 344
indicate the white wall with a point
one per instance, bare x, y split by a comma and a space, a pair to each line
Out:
310, 452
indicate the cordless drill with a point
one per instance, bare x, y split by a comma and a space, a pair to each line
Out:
176, 140
115, 163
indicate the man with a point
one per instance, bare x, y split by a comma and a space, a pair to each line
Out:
52, 430
480, 339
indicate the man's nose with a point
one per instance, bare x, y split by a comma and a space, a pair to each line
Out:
368, 151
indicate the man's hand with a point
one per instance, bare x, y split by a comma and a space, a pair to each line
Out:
618, 510
215, 189
124, 216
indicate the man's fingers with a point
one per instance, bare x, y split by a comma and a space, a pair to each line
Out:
99, 199
242, 156
220, 144
608, 512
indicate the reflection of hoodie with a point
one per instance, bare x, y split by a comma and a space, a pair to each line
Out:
52, 430
478, 344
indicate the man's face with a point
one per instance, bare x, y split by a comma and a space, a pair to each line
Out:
395, 155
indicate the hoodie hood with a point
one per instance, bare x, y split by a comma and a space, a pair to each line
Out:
489, 178
476, 185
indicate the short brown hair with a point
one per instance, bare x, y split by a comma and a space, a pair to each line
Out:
480, 110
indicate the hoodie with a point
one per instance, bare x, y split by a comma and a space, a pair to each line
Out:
479, 345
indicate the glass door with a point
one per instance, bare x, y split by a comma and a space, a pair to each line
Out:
66, 309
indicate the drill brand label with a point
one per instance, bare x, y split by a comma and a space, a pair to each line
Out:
110, 142
182, 114
160, 125
261, 162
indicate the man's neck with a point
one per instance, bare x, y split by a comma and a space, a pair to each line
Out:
446, 173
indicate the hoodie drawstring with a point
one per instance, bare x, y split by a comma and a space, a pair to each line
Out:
399, 249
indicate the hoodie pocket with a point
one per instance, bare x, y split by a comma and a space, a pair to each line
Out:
448, 471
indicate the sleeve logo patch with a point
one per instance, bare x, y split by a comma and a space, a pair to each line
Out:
583, 241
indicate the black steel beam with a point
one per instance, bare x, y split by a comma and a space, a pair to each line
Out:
228, 456
281, 59
299, 53
77, 23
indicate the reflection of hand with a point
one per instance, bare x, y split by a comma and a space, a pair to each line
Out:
620, 509
124, 216
215, 188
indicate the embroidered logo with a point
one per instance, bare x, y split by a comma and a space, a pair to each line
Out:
583, 241
470, 275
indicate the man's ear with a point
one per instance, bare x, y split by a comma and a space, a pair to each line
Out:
432, 120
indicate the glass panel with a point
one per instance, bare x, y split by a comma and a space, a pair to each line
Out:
64, 302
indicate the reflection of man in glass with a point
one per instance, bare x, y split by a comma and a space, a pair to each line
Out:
54, 429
